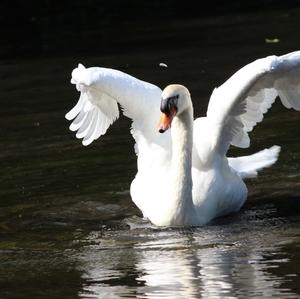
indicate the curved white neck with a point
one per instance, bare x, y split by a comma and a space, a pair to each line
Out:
181, 194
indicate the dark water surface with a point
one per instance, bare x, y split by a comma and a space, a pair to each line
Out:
68, 226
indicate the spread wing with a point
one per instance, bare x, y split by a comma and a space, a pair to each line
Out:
241, 102
101, 90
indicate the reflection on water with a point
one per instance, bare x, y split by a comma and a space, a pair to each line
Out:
246, 257
65, 210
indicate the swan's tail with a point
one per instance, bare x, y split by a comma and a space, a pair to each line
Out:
248, 166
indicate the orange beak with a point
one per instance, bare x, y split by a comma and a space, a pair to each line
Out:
166, 120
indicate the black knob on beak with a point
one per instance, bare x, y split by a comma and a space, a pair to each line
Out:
168, 103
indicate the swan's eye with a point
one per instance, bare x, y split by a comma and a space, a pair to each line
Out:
173, 98
168, 103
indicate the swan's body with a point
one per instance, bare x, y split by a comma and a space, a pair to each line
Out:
184, 176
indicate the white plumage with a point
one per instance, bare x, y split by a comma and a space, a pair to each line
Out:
184, 176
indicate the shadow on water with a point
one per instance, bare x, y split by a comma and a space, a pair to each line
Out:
68, 226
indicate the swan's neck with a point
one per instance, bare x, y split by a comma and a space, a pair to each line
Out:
182, 140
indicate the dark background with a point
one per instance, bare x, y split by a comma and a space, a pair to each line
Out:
64, 207
72, 27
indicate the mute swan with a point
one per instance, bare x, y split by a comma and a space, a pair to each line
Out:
184, 177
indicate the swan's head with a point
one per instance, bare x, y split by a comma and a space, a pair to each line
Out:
175, 100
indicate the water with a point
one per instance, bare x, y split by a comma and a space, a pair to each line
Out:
68, 226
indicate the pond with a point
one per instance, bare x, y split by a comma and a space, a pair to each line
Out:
68, 226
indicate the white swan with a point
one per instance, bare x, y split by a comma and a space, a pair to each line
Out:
184, 177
